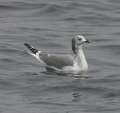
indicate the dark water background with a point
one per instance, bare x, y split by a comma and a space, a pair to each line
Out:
50, 25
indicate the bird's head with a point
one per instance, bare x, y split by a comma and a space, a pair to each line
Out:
78, 41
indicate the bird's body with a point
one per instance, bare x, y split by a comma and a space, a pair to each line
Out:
57, 61
73, 63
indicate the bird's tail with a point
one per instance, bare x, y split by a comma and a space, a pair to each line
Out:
31, 49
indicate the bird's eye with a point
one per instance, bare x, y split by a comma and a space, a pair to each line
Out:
79, 39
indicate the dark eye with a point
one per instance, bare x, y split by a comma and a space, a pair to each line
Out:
79, 39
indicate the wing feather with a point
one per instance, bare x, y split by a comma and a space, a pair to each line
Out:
58, 61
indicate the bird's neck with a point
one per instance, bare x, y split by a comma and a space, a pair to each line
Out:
81, 60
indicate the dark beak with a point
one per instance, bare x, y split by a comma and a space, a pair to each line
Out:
87, 41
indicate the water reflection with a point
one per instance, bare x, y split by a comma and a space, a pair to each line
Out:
76, 96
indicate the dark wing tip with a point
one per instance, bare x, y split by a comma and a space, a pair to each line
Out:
33, 50
27, 45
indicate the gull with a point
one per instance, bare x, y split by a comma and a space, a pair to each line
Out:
74, 63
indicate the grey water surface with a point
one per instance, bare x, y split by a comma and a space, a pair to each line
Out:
25, 86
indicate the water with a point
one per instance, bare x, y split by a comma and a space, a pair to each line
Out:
50, 25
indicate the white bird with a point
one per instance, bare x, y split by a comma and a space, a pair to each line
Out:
72, 64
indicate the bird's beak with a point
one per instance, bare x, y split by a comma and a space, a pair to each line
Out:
87, 41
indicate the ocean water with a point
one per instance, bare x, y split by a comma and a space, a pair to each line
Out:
49, 25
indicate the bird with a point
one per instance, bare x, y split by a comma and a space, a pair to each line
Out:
74, 63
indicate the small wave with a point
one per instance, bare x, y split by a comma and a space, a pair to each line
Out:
114, 2
112, 48
102, 40
92, 89
9, 50
7, 7
20, 6
52, 10
7, 62
33, 29
53, 103
112, 94
7, 85
28, 73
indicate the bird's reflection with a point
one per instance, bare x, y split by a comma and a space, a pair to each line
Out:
76, 96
